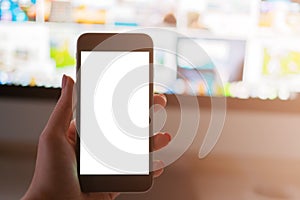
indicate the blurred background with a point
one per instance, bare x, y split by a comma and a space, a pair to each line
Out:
254, 51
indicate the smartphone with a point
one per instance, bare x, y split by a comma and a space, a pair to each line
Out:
113, 115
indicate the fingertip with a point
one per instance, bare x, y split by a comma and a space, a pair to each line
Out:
168, 135
67, 89
67, 81
160, 140
163, 96
158, 173
64, 81
158, 168
160, 99
158, 164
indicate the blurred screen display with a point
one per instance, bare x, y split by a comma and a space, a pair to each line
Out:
211, 63
17, 10
32, 55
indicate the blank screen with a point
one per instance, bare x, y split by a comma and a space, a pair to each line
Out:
114, 113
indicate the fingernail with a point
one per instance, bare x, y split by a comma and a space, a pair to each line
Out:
163, 96
64, 81
169, 136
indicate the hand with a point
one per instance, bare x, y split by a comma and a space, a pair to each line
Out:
55, 175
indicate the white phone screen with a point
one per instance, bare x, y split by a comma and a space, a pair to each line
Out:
106, 147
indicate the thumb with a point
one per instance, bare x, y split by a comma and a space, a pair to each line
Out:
62, 114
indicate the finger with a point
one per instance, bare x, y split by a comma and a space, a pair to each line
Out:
62, 114
160, 100
71, 134
158, 167
160, 140
158, 172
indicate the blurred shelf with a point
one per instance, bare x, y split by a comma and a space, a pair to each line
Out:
27, 92
249, 105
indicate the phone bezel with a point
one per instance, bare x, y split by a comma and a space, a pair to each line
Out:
123, 42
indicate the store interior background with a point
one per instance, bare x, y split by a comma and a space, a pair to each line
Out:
258, 153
